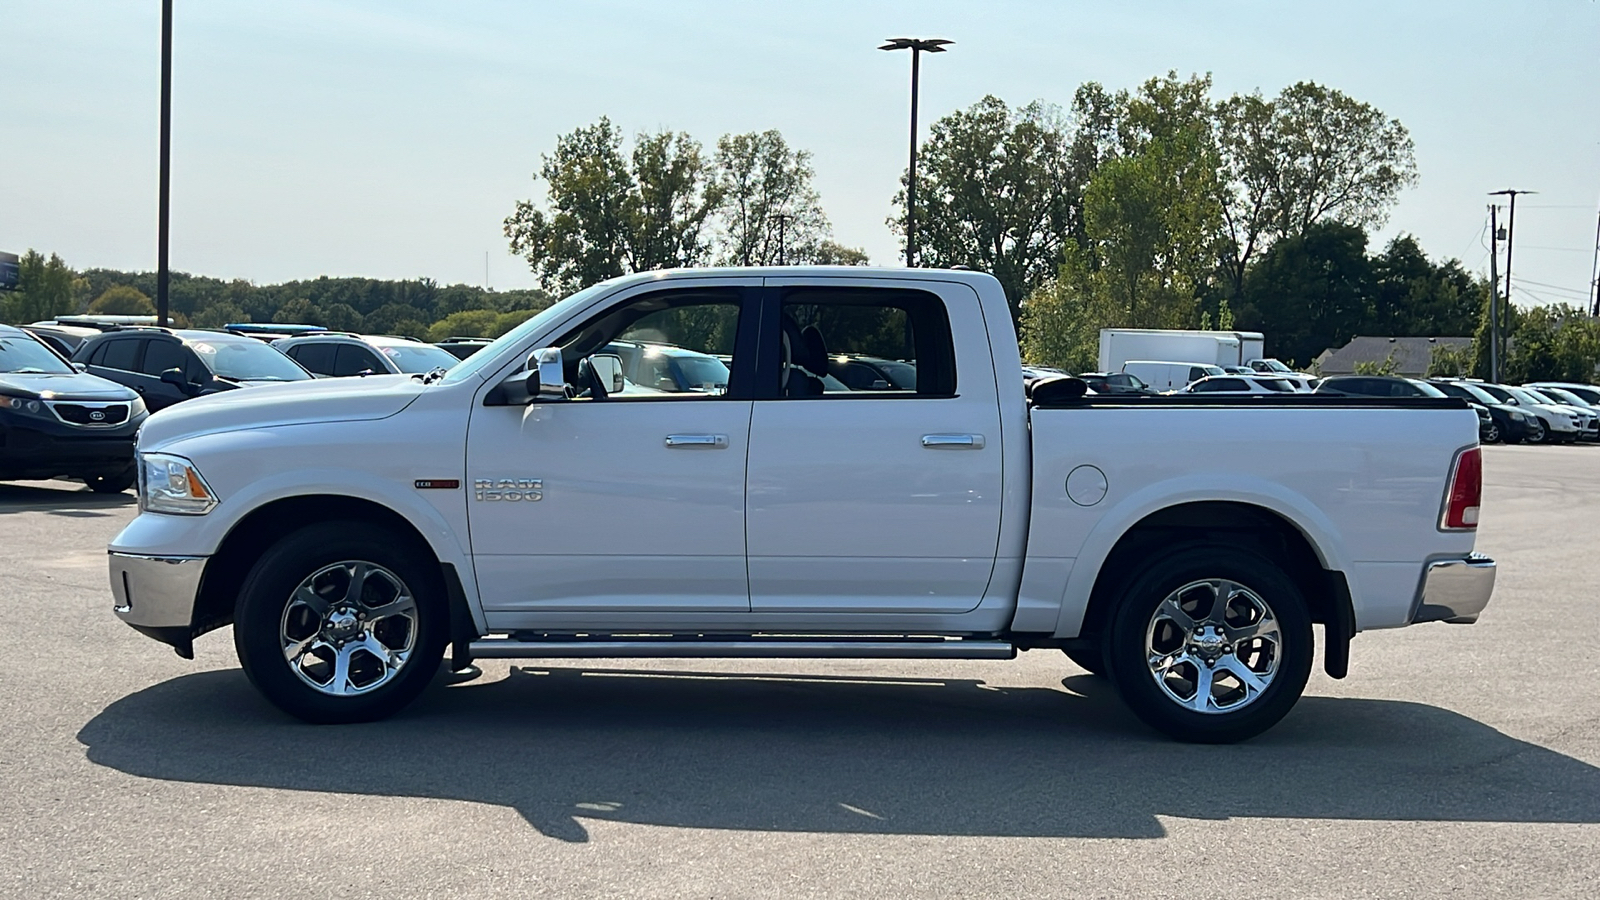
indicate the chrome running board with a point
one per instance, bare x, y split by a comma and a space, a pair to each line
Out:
758, 646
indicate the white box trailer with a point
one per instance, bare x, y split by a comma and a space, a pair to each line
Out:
1212, 348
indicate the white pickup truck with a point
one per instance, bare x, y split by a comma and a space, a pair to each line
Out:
535, 502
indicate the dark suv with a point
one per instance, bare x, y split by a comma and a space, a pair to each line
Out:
168, 367
56, 421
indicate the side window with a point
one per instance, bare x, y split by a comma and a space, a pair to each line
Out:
1196, 373
316, 357
350, 359
161, 355
122, 354
901, 334
674, 345
1120, 380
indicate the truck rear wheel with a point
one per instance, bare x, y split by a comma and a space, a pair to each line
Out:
341, 622
1211, 644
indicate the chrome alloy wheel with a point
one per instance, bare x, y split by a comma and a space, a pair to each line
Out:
349, 628
1213, 646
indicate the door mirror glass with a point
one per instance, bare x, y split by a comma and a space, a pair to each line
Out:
547, 378
607, 369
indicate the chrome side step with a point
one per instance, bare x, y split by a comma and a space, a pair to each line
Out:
755, 647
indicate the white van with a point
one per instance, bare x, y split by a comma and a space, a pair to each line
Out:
1169, 376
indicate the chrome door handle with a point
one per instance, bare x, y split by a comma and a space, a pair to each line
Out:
953, 441
711, 441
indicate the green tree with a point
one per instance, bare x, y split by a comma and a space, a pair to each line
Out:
219, 314
1312, 154
584, 237
769, 210
1449, 361
122, 300
997, 192
610, 214
830, 253
44, 289
1309, 292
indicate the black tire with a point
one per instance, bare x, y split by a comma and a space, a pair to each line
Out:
1538, 434
1087, 658
1491, 435
1133, 621
112, 484
265, 611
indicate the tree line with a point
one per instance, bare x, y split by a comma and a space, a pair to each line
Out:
420, 308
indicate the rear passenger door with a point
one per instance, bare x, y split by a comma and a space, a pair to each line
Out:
872, 501
117, 359
354, 359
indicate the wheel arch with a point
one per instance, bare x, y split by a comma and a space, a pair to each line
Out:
1257, 527
258, 529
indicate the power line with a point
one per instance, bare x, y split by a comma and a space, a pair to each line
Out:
1555, 287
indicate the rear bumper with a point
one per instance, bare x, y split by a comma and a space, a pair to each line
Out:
1455, 590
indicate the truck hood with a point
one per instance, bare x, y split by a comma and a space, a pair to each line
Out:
291, 403
74, 386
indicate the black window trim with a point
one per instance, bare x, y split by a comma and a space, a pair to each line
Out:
769, 375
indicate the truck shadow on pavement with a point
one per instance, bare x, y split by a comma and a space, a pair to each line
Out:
80, 503
839, 754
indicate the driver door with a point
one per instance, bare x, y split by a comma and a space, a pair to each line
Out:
630, 504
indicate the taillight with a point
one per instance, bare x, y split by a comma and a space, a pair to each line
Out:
1466, 490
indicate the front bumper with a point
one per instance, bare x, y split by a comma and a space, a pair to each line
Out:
156, 595
1455, 590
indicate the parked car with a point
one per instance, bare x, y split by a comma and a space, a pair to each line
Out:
871, 373
1376, 386
1241, 384
1116, 383
676, 370
1184, 552
1561, 425
462, 347
64, 339
1169, 376
341, 354
272, 331
167, 366
1511, 423
1589, 417
1588, 393
1238, 370
58, 422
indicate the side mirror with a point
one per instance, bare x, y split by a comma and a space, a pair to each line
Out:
177, 379
81, 367
607, 367
547, 375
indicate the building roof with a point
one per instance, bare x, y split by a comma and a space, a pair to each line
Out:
1411, 354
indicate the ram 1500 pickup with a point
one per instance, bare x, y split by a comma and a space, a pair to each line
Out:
535, 502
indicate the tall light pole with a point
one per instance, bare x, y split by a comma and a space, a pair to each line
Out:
783, 220
166, 162
916, 46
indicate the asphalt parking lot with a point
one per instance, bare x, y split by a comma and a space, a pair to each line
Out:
1460, 761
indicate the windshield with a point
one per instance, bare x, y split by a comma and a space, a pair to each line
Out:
26, 356
418, 358
1427, 389
1563, 396
1500, 394
248, 360
1588, 395
1527, 398
485, 355
1472, 391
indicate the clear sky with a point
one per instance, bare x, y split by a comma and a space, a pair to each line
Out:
389, 139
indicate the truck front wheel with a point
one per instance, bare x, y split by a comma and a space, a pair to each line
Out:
341, 622
1211, 644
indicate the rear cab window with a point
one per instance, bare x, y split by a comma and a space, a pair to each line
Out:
885, 342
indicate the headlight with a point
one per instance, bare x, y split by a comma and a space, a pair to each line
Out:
1517, 416
171, 484
136, 408
24, 405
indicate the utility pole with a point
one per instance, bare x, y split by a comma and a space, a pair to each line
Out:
1494, 295
1594, 275
783, 220
164, 203
917, 46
